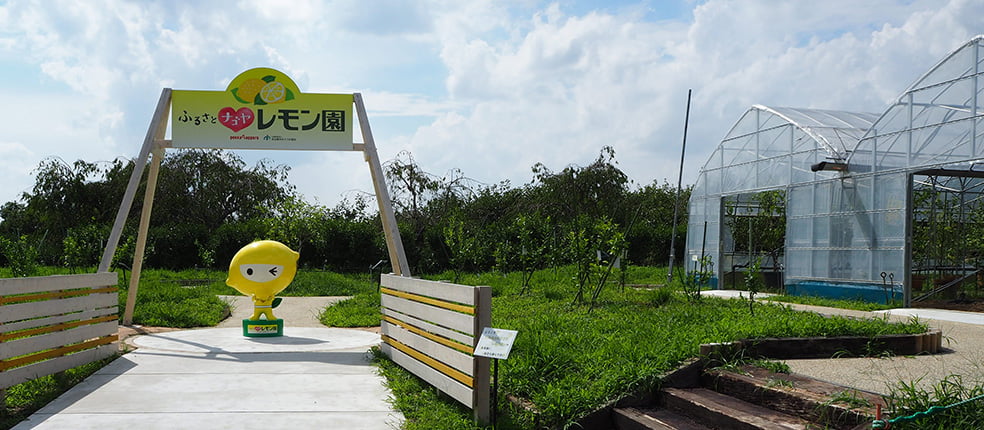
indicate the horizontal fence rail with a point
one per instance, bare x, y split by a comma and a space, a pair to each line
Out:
431, 329
49, 324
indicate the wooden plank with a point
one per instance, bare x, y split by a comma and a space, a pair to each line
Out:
483, 378
430, 361
33, 371
30, 345
448, 385
59, 352
156, 131
467, 349
391, 230
47, 321
56, 327
440, 290
142, 229
465, 309
450, 319
40, 284
456, 359
432, 328
23, 311
4, 300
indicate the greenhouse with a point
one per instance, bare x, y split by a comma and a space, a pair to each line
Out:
849, 204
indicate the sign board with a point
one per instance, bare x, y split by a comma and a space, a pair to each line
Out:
261, 108
495, 343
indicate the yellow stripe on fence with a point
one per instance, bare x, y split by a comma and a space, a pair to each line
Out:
437, 365
54, 328
441, 340
56, 295
439, 303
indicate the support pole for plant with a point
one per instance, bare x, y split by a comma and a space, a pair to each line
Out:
676, 205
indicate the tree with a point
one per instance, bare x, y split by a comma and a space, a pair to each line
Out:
597, 190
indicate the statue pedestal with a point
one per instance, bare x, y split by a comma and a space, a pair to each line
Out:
263, 328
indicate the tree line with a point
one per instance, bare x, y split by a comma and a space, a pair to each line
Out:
209, 203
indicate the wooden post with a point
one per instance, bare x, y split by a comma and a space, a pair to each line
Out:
138, 253
158, 125
482, 378
394, 243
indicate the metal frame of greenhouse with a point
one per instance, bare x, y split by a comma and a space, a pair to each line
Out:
856, 187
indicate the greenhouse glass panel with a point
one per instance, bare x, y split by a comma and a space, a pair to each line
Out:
740, 177
942, 104
980, 94
770, 120
892, 152
894, 120
891, 189
746, 153
713, 181
820, 264
800, 201
774, 142
961, 63
798, 263
823, 196
890, 229
799, 232
746, 125
773, 173
979, 139
801, 167
890, 261
821, 231
941, 144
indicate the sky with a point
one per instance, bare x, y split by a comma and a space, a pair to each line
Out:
486, 87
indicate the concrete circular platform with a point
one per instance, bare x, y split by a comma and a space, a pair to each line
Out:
231, 340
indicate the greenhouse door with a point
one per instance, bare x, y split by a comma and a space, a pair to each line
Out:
753, 240
947, 234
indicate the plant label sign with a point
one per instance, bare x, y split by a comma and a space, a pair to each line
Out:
495, 343
262, 108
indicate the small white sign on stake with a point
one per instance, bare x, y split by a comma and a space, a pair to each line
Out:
495, 343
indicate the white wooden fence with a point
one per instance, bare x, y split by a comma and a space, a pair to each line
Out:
431, 329
49, 324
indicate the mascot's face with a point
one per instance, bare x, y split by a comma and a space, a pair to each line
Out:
262, 268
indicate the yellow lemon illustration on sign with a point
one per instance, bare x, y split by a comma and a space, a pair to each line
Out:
250, 88
273, 92
262, 86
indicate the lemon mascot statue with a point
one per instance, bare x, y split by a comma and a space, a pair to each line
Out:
260, 270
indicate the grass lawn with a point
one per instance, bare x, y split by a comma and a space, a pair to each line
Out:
570, 359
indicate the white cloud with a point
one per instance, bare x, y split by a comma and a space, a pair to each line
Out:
489, 87
559, 87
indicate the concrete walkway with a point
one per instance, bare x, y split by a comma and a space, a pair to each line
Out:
215, 378
963, 343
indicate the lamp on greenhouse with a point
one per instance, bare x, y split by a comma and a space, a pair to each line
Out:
829, 166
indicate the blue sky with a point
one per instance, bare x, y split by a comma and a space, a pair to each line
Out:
487, 87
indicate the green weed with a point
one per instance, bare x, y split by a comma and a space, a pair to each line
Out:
362, 310
907, 398
850, 398
771, 365
24, 399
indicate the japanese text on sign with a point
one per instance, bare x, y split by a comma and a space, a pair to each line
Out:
495, 343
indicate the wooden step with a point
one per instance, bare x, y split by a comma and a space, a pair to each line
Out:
795, 395
721, 411
653, 419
